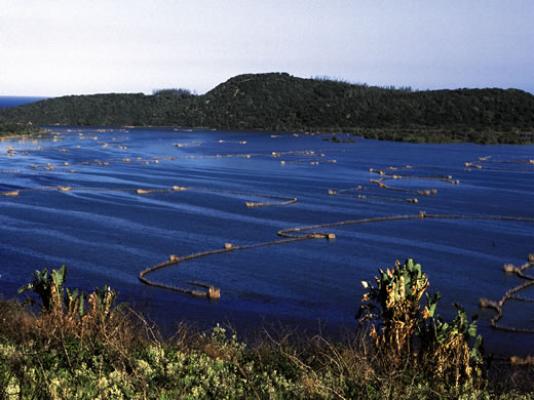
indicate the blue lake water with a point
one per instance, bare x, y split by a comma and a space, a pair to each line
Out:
106, 233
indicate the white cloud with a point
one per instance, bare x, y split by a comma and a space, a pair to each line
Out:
52, 47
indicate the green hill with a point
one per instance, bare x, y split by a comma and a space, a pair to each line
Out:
278, 101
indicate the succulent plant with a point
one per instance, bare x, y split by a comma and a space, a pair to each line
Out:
48, 286
405, 331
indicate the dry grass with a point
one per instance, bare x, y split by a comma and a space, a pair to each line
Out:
109, 351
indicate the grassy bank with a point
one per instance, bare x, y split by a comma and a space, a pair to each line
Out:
76, 346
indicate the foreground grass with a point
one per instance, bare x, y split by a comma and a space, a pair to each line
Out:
80, 347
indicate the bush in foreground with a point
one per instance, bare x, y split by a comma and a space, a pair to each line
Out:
406, 333
87, 347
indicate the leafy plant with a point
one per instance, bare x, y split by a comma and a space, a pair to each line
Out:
49, 287
84, 349
65, 310
452, 350
405, 332
393, 306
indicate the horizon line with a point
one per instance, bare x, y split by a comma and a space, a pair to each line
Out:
316, 77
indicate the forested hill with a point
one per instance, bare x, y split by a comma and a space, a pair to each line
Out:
278, 101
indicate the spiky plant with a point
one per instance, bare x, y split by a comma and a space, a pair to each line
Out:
405, 332
393, 306
68, 307
49, 287
452, 350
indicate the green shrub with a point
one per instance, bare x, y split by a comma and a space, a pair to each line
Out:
404, 332
101, 352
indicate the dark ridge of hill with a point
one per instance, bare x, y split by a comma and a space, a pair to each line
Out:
281, 102
100, 109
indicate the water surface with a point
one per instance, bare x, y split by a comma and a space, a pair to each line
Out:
106, 233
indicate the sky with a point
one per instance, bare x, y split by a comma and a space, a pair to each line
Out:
58, 47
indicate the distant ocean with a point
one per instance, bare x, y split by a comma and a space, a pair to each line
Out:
13, 101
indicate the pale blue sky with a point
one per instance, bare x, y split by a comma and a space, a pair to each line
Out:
54, 47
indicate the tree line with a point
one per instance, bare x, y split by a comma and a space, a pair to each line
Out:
281, 102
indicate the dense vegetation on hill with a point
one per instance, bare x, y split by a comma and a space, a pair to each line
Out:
7, 129
281, 102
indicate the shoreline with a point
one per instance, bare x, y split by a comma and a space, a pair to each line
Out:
402, 135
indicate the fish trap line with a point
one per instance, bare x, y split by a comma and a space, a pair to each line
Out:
133, 160
274, 200
360, 193
387, 176
300, 234
380, 198
209, 291
363, 193
489, 164
380, 183
511, 295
